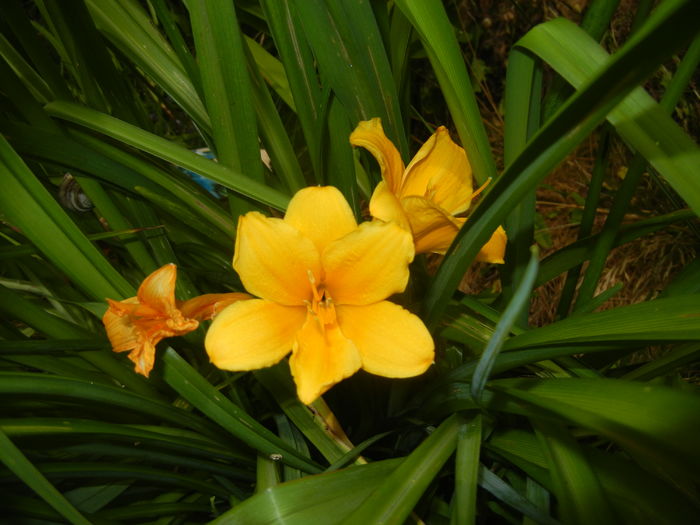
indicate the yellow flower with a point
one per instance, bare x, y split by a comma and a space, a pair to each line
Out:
322, 281
426, 196
137, 324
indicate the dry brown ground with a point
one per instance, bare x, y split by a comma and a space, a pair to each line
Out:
644, 266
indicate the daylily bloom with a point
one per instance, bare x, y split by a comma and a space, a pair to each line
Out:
322, 282
426, 196
137, 324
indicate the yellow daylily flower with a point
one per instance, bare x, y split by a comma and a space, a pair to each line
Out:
322, 282
138, 324
426, 196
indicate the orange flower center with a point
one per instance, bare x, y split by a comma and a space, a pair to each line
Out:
321, 305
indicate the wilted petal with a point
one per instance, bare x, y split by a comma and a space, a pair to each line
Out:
158, 289
204, 307
494, 250
273, 259
369, 134
433, 228
392, 341
253, 334
369, 264
321, 358
441, 173
143, 357
385, 205
119, 326
322, 214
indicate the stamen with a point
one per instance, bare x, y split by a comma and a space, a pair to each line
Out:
482, 187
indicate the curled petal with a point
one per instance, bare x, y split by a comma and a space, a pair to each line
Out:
385, 205
433, 228
322, 357
119, 326
253, 334
205, 307
494, 250
320, 213
392, 341
143, 357
273, 259
369, 264
137, 329
158, 289
369, 134
441, 173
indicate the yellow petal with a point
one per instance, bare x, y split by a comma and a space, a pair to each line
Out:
120, 330
441, 173
433, 228
158, 289
204, 307
392, 341
321, 358
273, 259
253, 334
494, 250
322, 214
385, 205
369, 134
369, 264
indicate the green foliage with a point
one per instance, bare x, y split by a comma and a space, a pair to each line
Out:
571, 422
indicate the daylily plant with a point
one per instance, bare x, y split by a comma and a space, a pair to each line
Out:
139, 323
322, 283
426, 196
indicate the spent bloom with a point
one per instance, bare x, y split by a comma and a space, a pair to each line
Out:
322, 283
138, 323
426, 196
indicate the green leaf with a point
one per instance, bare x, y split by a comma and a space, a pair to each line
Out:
30, 207
324, 498
395, 498
669, 319
189, 384
17, 462
429, 19
226, 85
502, 330
579, 494
167, 150
128, 27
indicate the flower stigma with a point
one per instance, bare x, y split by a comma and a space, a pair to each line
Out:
321, 306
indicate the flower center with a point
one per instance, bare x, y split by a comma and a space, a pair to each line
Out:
321, 305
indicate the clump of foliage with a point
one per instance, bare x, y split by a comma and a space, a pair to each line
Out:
102, 102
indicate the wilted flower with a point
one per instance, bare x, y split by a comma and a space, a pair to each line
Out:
137, 324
